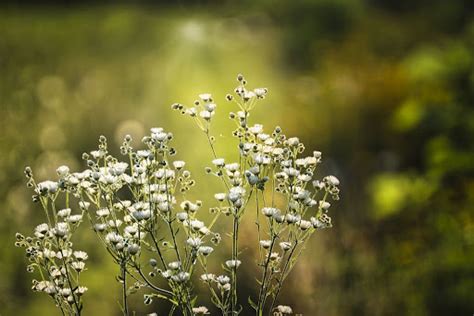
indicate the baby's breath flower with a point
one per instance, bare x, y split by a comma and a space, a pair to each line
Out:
47, 187
179, 164
208, 277
219, 162
196, 224
61, 229
74, 218
182, 216
285, 245
205, 250
201, 310
324, 205
270, 211
222, 279
62, 171
233, 264
78, 265
80, 290
332, 180
194, 242
180, 277
42, 228
64, 212
113, 238
81, 255
206, 97
220, 196
174, 265
284, 309
304, 225
133, 249
265, 243
99, 227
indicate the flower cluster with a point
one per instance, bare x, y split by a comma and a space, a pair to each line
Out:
269, 164
50, 249
138, 209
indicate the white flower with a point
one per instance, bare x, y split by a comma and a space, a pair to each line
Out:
220, 196
81, 255
284, 309
47, 187
311, 160
291, 172
166, 274
205, 250
208, 277
196, 224
219, 162
265, 243
304, 225
285, 245
133, 249
210, 107
103, 212
232, 167
63, 253
293, 141
178, 164
115, 223
317, 155
274, 256
155, 130
248, 95
74, 218
42, 228
260, 92
180, 277
96, 154
332, 180
201, 310
231, 264
206, 114
80, 290
174, 265
223, 279
99, 227
257, 128
62, 171
182, 216
140, 215
78, 265
270, 211
324, 205
61, 229
206, 97
225, 287
118, 168
49, 253
84, 205
194, 242
113, 238
159, 136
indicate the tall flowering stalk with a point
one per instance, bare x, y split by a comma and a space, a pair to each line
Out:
138, 209
267, 165
50, 249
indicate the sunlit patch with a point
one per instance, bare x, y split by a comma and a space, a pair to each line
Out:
51, 91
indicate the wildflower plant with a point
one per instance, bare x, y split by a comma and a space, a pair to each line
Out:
138, 209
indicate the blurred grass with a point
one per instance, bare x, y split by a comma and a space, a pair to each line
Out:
385, 89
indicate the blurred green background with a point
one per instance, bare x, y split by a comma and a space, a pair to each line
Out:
384, 88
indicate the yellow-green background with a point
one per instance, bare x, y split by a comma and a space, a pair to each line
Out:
384, 88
